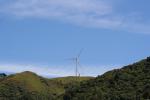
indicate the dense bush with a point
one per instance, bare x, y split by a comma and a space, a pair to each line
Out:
132, 82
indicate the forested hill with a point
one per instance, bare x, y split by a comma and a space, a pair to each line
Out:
131, 82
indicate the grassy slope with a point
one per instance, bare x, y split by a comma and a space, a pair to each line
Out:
30, 80
29, 86
132, 82
70, 79
23, 86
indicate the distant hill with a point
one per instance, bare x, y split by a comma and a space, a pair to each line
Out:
29, 86
2, 75
131, 82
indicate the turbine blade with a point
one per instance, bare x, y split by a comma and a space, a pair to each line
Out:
79, 54
70, 59
79, 64
81, 69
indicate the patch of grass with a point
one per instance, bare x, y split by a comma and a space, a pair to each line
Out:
28, 85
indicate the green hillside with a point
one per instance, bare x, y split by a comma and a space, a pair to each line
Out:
131, 82
29, 86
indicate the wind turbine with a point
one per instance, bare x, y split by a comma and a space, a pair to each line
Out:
76, 59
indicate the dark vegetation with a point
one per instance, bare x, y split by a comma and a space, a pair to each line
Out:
2, 75
131, 82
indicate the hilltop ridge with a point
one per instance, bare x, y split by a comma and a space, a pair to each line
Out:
131, 82
29, 86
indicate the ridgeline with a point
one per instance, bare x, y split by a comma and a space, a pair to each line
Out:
131, 82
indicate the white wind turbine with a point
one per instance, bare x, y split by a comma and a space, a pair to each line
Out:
76, 59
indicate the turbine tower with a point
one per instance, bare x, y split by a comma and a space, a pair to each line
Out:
77, 63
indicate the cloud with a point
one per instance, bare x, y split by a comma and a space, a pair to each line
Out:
87, 13
58, 8
56, 71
